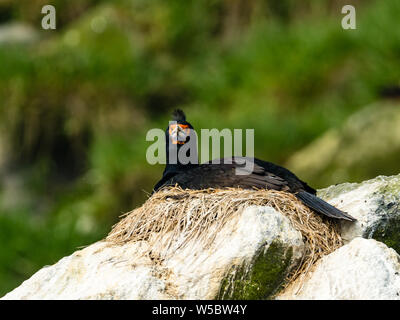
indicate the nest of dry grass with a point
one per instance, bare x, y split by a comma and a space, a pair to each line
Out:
173, 213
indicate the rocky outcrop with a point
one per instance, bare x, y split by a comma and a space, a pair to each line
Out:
259, 239
362, 269
374, 203
249, 259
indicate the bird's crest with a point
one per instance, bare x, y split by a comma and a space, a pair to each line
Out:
178, 115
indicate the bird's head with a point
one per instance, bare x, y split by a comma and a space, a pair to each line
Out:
179, 129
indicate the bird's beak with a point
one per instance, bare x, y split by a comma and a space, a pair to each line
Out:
179, 133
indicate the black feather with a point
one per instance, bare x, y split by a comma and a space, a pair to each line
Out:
323, 207
178, 115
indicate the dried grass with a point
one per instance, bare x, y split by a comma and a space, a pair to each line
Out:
173, 213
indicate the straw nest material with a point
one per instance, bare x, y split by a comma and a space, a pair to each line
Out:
173, 213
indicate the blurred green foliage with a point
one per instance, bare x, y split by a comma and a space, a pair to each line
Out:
75, 105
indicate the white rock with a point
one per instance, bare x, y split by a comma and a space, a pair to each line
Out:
373, 203
363, 269
103, 272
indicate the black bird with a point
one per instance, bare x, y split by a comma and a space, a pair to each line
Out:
224, 174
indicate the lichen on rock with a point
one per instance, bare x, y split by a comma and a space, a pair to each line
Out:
260, 279
387, 229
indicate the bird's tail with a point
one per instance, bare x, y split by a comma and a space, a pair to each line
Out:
322, 206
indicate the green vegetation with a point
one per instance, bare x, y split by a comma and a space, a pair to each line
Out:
76, 104
373, 132
265, 277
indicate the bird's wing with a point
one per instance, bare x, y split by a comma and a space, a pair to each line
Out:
229, 173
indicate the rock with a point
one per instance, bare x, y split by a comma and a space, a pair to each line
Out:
249, 258
363, 269
367, 145
259, 238
374, 203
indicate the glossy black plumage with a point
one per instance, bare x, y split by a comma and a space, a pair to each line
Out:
224, 174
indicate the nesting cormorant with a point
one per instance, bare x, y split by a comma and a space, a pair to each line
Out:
223, 174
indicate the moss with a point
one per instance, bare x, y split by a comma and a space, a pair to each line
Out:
388, 232
387, 229
260, 279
